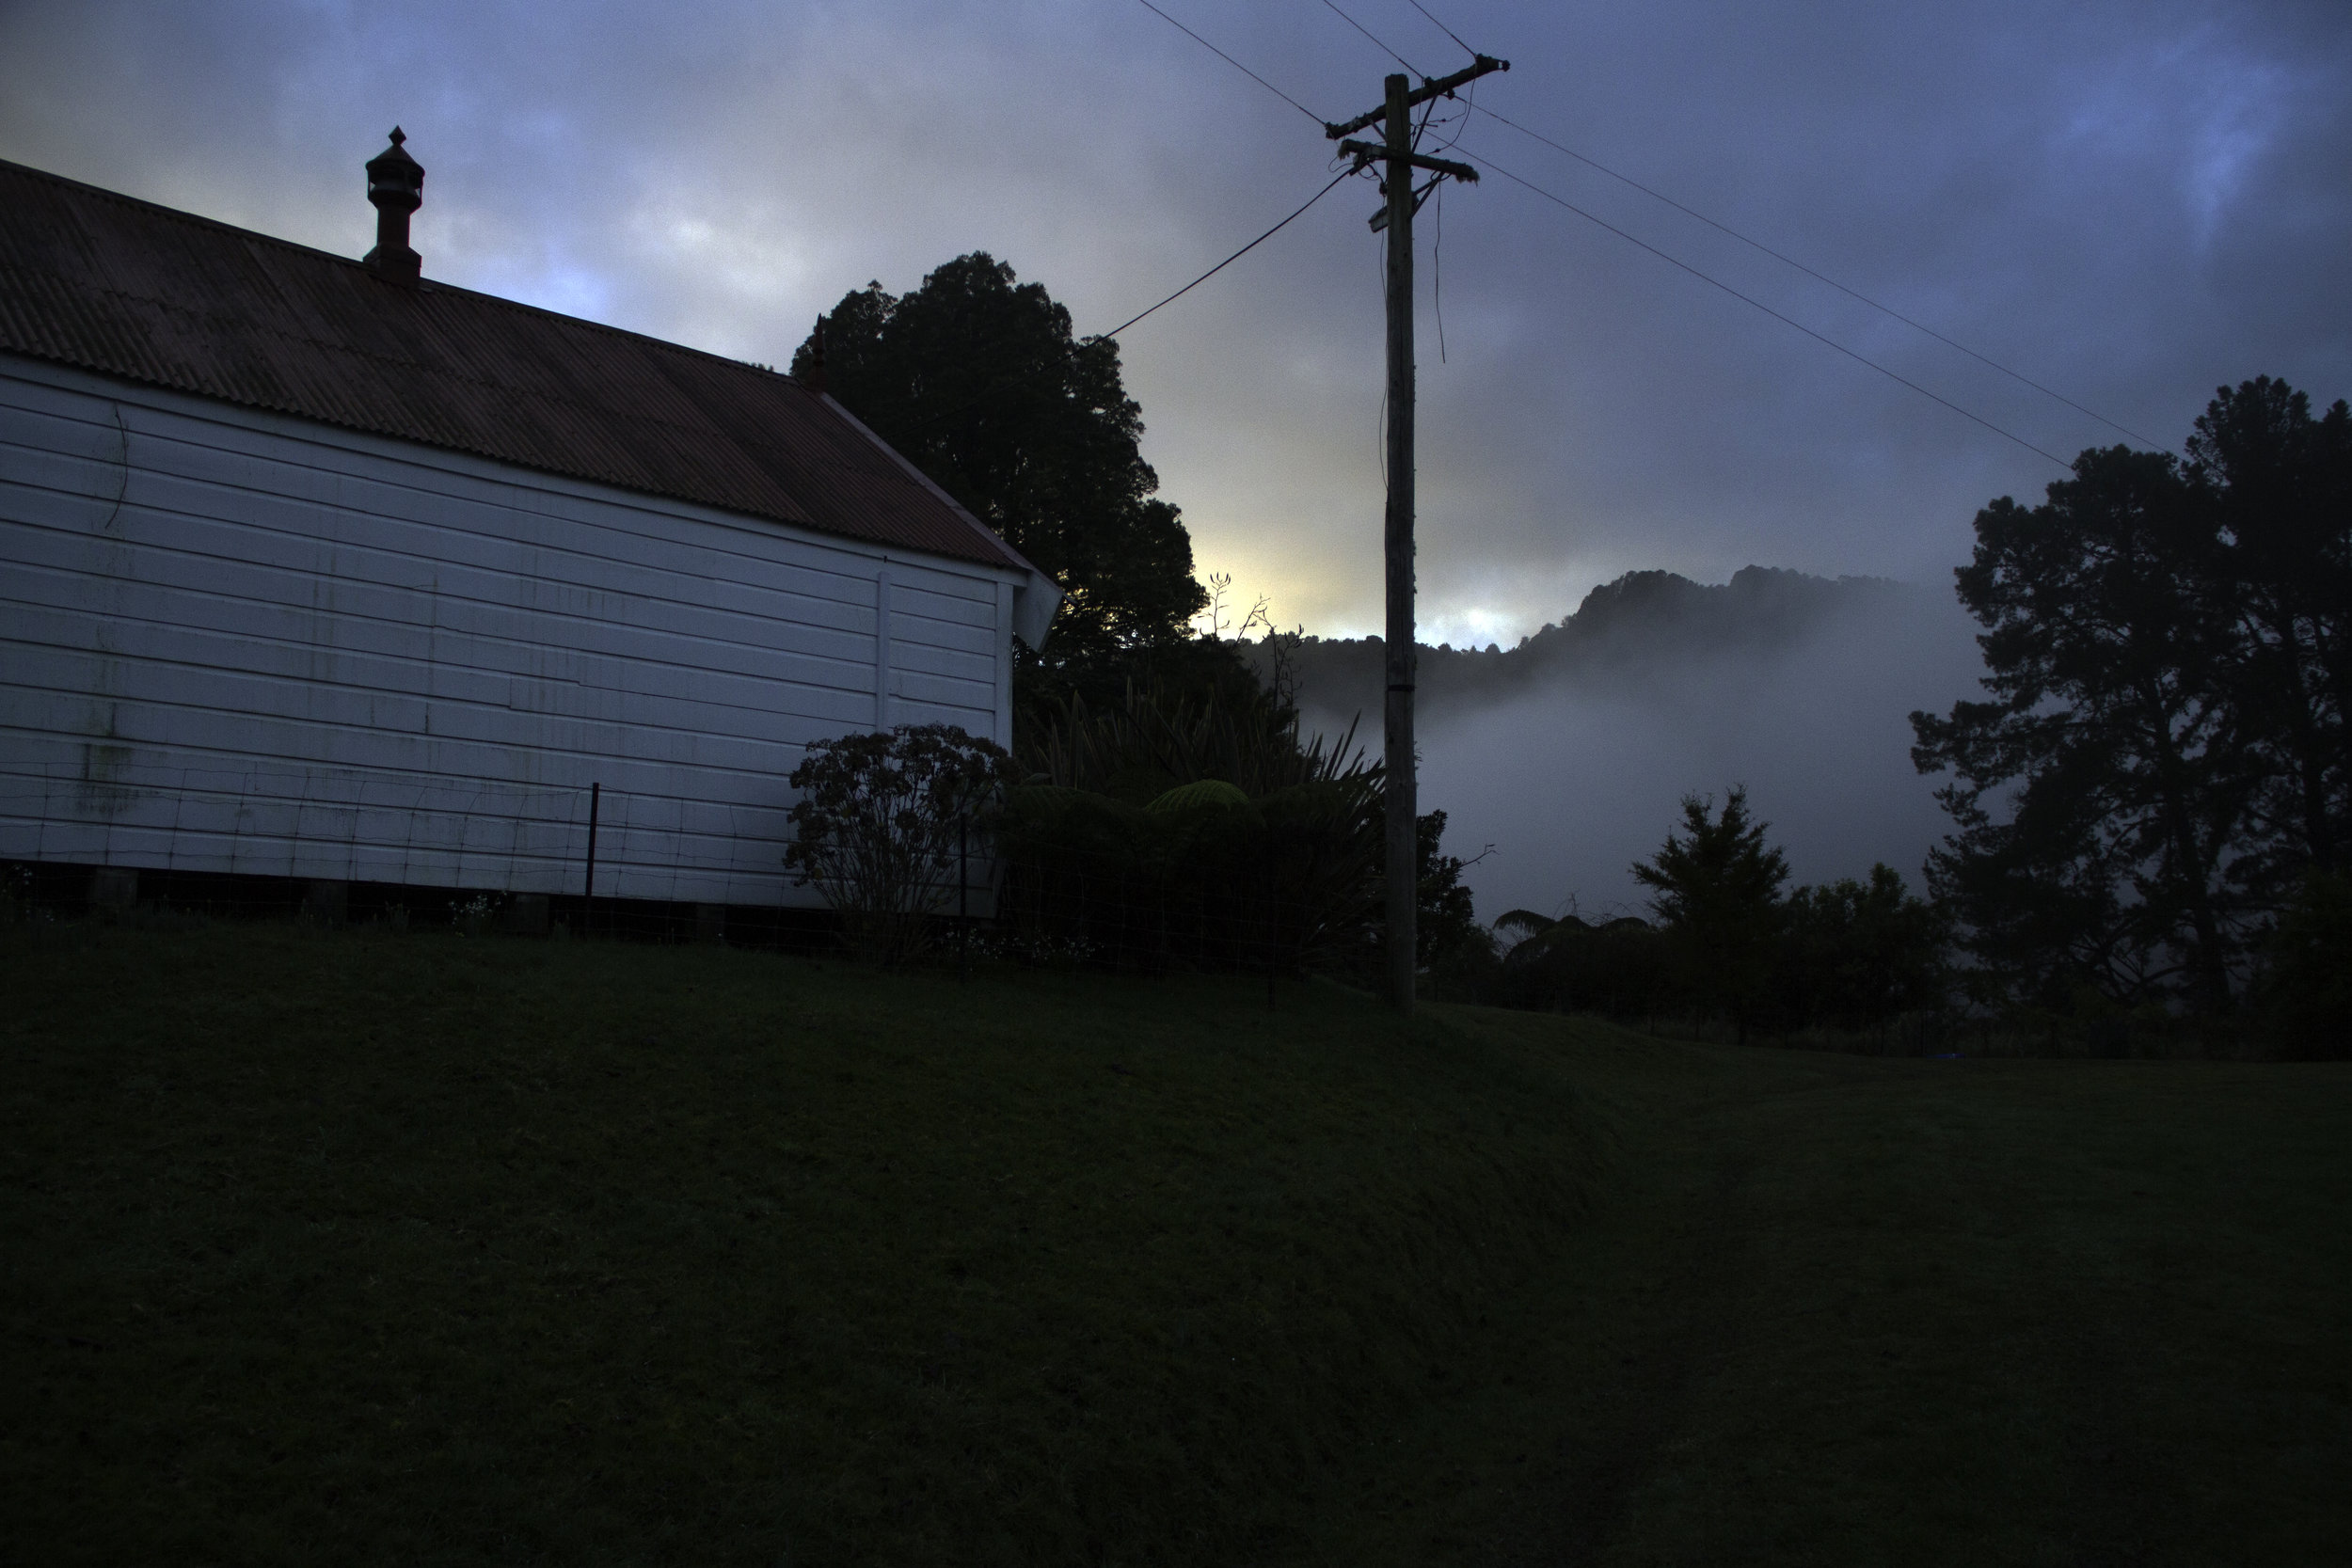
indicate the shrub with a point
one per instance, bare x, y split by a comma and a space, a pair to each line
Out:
1161, 737
1184, 830
2307, 990
1203, 875
1857, 956
878, 828
1623, 968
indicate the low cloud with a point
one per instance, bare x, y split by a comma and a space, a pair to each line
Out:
1572, 771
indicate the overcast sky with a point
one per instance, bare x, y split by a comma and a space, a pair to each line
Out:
2129, 202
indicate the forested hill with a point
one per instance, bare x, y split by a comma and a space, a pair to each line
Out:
1642, 622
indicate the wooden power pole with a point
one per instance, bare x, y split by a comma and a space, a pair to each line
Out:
1394, 150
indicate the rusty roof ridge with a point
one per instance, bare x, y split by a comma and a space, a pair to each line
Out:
11, 165
429, 284
743, 447
456, 441
609, 477
436, 369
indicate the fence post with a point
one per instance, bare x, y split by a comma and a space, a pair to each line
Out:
236, 820
178, 816
963, 899
588, 888
1272, 945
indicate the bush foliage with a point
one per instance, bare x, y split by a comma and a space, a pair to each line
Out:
1187, 828
1727, 947
2306, 993
881, 821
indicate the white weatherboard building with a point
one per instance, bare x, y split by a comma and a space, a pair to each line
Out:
314, 568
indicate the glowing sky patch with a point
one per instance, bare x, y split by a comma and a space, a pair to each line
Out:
2133, 202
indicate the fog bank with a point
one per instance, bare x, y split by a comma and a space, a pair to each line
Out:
1571, 753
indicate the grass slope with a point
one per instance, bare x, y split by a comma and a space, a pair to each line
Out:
424, 1248
435, 1250
1839, 1310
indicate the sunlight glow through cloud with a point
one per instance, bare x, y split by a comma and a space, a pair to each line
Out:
2133, 203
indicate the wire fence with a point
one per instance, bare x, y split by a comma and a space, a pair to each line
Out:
108, 833
162, 846
359, 825
344, 847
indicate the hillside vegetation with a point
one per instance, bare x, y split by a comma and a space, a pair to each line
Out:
1636, 626
434, 1249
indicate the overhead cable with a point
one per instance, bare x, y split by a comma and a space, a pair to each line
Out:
1382, 47
1235, 256
1442, 27
1749, 299
1818, 277
1229, 60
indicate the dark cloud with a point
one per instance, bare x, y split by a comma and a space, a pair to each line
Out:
2130, 202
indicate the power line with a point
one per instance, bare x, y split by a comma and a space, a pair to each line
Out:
1818, 277
1786, 260
998, 385
1436, 264
1790, 321
1236, 255
1642, 245
1382, 47
1229, 60
1442, 27
1461, 121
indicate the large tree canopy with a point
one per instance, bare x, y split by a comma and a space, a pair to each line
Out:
2277, 484
978, 380
2165, 648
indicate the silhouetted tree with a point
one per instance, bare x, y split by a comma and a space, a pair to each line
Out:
2111, 726
978, 380
1717, 893
2170, 651
2279, 483
1445, 928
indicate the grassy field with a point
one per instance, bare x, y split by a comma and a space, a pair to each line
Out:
428, 1249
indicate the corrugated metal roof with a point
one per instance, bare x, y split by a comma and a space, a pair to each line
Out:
109, 283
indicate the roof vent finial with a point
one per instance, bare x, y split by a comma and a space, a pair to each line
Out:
396, 186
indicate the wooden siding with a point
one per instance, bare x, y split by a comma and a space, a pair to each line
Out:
233, 640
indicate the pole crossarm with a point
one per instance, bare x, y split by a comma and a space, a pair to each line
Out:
1441, 87
1371, 153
